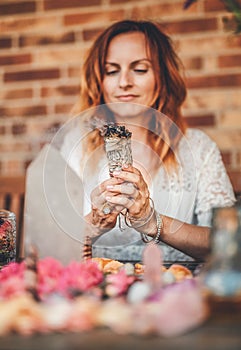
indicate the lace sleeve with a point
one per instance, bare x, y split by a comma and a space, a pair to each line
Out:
214, 186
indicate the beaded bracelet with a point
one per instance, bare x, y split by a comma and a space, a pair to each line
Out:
156, 239
140, 222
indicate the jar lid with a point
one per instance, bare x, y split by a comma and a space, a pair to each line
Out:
6, 214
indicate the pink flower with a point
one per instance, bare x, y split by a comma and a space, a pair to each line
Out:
80, 276
11, 280
177, 314
49, 273
6, 226
12, 269
117, 284
83, 314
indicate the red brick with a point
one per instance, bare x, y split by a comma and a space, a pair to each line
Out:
191, 26
81, 18
2, 130
160, 10
15, 59
43, 142
91, 34
52, 28
47, 39
9, 8
12, 167
2, 112
193, 62
238, 158
229, 23
233, 41
23, 111
18, 94
200, 120
5, 42
60, 4
65, 90
19, 128
119, 1
214, 5
204, 44
74, 72
52, 129
37, 23
227, 157
63, 108
32, 75
27, 163
14, 147
214, 81
229, 61
235, 177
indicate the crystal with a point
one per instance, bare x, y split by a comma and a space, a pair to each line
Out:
53, 215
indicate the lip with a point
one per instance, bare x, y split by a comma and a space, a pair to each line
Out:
126, 98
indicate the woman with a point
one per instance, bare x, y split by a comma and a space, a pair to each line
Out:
177, 176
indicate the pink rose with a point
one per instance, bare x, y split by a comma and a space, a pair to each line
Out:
49, 273
117, 284
10, 270
79, 276
11, 280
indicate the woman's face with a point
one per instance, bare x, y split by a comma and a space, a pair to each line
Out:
129, 76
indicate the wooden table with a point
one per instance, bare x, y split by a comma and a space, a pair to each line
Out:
219, 332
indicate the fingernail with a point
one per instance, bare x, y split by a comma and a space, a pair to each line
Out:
116, 172
109, 187
125, 166
108, 198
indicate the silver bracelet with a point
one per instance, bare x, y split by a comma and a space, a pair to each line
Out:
140, 222
159, 224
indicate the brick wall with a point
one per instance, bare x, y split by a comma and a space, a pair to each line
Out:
42, 45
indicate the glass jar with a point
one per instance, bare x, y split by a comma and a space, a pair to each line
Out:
7, 237
221, 277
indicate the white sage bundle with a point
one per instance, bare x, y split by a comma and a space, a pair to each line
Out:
117, 146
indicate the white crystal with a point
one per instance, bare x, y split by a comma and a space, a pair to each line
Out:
53, 216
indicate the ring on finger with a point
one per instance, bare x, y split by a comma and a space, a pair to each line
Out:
106, 208
131, 189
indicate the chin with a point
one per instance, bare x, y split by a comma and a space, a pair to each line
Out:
127, 109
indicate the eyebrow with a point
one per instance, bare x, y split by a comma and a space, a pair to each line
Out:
133, 63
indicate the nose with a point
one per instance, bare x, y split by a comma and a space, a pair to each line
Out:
125, 79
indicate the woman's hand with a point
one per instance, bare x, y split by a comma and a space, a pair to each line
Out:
99, 220
130, 192
125, 190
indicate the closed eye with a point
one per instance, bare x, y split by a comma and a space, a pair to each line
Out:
111, 68
141, 71
112, 72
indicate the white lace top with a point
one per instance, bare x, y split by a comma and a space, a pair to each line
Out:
200, 184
